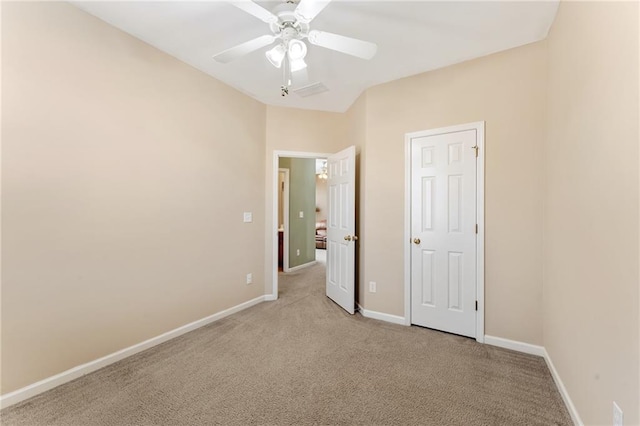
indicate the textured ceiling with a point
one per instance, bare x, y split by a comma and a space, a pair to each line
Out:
412, 37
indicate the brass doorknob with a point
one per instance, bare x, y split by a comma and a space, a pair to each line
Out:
354, 238
416, 240
347, 237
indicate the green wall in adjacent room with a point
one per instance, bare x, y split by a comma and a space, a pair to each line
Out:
302, 198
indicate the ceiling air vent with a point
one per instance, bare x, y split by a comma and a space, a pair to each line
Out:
310, 90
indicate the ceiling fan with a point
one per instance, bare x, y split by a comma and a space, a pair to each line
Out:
290, 25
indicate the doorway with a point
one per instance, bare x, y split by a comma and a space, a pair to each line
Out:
444, 229
340, 241
301, 252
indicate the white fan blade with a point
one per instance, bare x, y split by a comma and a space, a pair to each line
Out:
309, 9
256, 10
244, 48
350, 46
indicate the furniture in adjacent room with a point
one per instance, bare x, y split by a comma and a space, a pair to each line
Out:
321, 234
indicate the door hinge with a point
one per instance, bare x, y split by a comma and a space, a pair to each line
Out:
476, 148
476, 228
476, 305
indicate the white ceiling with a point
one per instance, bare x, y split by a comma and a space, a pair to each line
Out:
412, 37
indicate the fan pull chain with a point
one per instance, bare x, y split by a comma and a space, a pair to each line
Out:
286, 76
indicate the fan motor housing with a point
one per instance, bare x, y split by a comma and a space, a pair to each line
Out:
288, 25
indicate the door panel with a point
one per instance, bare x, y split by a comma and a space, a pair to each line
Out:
443, 226
341, 242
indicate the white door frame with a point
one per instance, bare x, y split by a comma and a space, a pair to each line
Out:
479, 128
274, 223
285, 220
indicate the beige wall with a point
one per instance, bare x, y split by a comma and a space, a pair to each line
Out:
297, 130
591, 321
304, 130
507, 91
119, 222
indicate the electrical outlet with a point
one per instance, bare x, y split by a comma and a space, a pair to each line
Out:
617, 415
301, 215
298, 252
372, 286
248, 217
249, 278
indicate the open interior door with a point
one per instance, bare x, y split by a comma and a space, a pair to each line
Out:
341, 227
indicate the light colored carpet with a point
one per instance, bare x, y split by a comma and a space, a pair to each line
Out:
302, 360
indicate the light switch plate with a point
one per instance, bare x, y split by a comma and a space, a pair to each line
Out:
301, 215
248, 217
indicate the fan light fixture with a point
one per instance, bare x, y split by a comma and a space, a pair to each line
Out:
298, 64
276, 55
297, 50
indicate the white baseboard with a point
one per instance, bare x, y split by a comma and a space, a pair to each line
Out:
270, 298
514, 345
381, 316
563, 391
539, 351
81, 370
304, 265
